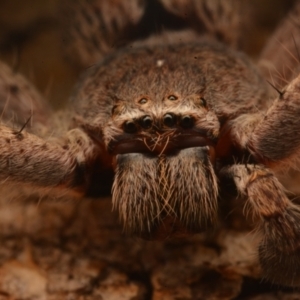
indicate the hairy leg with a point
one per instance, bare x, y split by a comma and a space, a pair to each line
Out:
279, 221
26, 158
92, 29
95, 28
272, 137
28, 152
280, 60
19, 100
220, 19
276, 139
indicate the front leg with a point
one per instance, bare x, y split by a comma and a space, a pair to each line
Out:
272, 137
65, 163
276, 139
279, 221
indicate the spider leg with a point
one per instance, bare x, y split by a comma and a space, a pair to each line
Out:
279, 220
275, 140
272, 137
70, 162
93, 29
220, 19
19, 101
59, 163
280, 58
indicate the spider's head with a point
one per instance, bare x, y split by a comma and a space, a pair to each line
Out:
159, 109
165, 183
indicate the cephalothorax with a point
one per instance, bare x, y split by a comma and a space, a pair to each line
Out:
176, 120
164, 129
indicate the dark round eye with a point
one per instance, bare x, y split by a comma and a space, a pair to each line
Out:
187, 122
169, 120
203, 102
143, 101
146, 122
130, 127
172, 97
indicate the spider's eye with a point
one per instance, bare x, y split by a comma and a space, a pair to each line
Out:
130, 127
203, 102
187, 122
172, 98
169, 120
146, 122
143, 101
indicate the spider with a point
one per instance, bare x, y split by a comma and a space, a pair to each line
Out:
177, 115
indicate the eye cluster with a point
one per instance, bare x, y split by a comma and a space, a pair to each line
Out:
169, 120
133, 126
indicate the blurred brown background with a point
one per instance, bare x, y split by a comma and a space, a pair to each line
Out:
30, 41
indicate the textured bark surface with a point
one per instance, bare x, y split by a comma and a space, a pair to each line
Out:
70, 249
